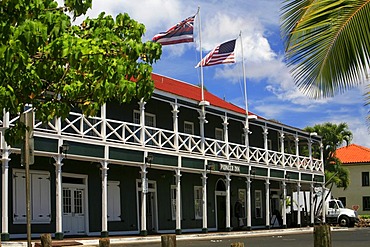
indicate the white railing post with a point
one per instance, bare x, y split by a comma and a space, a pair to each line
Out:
266, 147
282, 148
296, 140
202, 121
267, 190
175, 112
142, 121
226, 135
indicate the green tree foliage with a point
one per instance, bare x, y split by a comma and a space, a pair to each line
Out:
327, 44
53, 65
333, 136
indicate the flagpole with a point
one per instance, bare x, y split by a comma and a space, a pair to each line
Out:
201, 57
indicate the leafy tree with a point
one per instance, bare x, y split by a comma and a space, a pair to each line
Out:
333, 136
327, 44
53, 65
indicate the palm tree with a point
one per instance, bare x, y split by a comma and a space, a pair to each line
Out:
327, 44
333, 136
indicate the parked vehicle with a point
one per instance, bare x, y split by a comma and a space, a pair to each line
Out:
336, 213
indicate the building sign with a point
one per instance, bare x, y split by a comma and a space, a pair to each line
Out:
229, 168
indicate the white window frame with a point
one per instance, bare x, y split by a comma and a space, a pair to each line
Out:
188, 125
198, 202
40, 197
114, 201
258, 204
147, 118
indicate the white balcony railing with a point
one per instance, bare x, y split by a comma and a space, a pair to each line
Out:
113, 131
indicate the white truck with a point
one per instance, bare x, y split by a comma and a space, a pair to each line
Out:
336, 213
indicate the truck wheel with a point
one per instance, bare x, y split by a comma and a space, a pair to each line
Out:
344, 221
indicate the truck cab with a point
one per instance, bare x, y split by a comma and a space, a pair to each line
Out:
337, 214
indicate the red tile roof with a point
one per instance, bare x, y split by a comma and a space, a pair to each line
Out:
353, 154
192, 92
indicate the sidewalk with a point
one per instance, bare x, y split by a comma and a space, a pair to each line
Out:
116, 240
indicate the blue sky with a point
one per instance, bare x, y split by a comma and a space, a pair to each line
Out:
271, 90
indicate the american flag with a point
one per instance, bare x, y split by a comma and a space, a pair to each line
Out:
182, 32
223, 53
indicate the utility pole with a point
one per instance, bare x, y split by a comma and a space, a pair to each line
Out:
27, 154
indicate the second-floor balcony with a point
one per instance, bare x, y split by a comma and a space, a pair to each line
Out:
114, 132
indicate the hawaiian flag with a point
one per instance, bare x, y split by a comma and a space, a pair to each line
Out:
223, 53
180, 33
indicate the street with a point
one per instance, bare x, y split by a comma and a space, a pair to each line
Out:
354, 237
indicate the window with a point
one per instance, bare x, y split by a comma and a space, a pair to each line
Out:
241, 198
198, 202
189, 128
40, 196
366, 203
258, 204
149, 119
219, 134
365, 179
114, 201
343, 200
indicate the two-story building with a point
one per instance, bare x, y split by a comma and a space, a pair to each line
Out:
172, 164
357, 196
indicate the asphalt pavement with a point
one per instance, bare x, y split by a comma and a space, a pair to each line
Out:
213, 238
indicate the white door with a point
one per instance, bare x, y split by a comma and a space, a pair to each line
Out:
73, 210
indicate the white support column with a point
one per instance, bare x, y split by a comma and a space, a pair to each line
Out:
58, 197
246, 139
144, 191
282, 148
5, 180
267, 189
298, 204
202, 122
284, 205
322, 156
103, 115
204, 193
178, 201
142, 121
323, 213
249, 209
312, 207
296, 140
175, 112
104, 184
265, 144
58, 186
310, 153
228, 213
226, 134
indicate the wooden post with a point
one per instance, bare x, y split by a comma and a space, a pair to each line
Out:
238, 244
168, 240
322, 236
104, 242
46, 240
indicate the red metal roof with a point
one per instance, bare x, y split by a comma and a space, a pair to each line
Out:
353, 154
192, 92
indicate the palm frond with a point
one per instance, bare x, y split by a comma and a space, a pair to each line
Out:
327, 44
